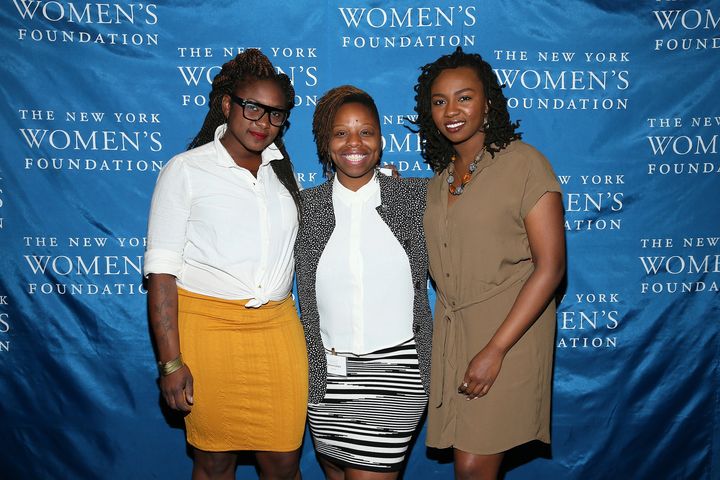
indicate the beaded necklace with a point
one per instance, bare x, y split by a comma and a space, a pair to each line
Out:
466, 178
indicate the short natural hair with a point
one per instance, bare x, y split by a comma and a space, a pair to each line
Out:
325, 111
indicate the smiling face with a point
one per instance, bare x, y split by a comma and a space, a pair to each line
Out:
459, 106
355, 145
248, 138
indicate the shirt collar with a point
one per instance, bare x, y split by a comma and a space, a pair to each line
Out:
223, 158
364, 193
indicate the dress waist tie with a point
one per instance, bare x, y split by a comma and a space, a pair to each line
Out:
454, 333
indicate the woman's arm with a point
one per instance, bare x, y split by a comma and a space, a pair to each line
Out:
177, 388
546, 235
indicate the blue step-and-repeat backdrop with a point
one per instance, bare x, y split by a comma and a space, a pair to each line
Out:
622, 97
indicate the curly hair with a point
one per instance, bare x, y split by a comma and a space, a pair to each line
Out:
325, 111
499, 130
245, 68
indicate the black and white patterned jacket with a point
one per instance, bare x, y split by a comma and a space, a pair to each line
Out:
402, 207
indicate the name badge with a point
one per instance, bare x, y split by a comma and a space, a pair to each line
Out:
337, 365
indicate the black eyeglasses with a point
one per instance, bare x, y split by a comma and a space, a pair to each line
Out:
255, 111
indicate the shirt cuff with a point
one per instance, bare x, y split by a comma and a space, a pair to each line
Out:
162, 261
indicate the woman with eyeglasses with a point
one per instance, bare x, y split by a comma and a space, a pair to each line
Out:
224, 216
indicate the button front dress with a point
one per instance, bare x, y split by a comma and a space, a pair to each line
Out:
479, 259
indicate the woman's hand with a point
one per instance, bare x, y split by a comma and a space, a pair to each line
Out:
481, 372
390, 170
177, 389
546, 236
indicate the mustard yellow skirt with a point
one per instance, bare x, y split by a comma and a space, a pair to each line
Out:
250, 373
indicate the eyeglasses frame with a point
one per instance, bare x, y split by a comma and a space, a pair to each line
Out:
266, 110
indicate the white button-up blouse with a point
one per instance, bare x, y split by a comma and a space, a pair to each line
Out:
363, 282
219, 230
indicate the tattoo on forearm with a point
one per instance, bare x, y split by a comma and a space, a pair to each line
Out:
163, 311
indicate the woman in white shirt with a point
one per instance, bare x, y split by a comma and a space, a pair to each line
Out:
361, 268
219, 261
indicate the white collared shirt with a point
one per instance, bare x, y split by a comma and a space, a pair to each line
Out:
363, 282
219, 230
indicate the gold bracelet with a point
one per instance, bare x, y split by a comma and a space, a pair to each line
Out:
170, 367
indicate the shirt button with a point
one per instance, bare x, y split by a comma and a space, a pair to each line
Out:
445, 245
259, 286
447, 275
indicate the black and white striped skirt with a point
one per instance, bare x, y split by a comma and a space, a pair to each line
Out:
368, 418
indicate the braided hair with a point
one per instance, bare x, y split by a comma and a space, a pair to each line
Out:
324, 116
245, 68
499, 130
